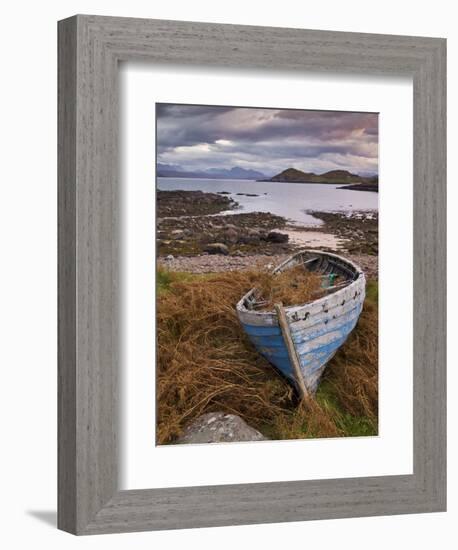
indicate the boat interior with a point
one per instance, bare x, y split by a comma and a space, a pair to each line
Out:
336, 274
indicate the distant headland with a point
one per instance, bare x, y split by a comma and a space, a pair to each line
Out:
344, 177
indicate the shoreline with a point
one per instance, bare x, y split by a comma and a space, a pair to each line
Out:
339, 184
196, 224
207, 264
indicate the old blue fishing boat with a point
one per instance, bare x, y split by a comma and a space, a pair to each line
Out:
300, 340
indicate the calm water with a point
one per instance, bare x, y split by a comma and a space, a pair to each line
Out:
290, 200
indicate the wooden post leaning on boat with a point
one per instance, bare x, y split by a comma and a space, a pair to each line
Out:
284, 327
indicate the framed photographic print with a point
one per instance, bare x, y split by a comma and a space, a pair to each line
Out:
251, 274
234, 224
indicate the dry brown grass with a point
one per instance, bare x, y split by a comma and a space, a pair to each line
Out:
293, 286
354, 376
346, 403
207, 364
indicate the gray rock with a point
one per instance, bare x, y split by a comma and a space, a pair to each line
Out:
231, 235
218, 427
169, 258
251, 236
277, 237
217, 248
177, 234
246, 239
230, 226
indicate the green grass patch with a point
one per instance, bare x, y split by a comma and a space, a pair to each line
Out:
350, 425
165, 279
372, 291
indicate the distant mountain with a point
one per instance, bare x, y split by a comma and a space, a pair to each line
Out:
168, 167
175, 171
167, 173
293, 175
235, 173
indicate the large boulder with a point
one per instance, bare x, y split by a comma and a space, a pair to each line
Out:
217, 248
277, 237
218, 427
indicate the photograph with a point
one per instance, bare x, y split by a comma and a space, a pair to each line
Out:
267, 274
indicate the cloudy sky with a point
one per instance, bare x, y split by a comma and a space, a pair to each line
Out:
269, 140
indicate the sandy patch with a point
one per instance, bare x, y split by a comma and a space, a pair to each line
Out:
315, 239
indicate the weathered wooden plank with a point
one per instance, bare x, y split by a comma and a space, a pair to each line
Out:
323, 322
282, 321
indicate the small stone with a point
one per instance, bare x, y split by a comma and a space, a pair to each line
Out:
217, 248
169, 258
230, 226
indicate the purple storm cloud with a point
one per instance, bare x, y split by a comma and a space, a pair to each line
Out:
197, 138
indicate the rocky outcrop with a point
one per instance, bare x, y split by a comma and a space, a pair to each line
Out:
219, 427
185, 228
191, 203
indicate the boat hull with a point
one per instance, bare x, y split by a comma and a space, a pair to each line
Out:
318, 329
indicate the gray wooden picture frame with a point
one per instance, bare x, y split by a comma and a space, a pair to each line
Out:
90, 48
